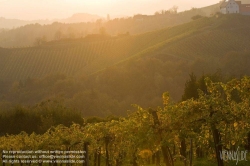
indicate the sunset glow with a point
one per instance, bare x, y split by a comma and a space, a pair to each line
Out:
48, 9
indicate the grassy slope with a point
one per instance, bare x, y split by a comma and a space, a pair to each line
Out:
201, 38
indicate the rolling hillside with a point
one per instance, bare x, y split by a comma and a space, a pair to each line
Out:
202, 38
27, 35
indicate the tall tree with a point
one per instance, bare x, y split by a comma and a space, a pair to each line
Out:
191, 87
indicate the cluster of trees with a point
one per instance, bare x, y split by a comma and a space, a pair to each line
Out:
173, 10
196, 17
38, 118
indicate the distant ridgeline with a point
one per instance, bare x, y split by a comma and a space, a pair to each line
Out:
27, 35
202, 38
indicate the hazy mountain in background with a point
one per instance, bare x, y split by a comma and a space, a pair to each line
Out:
76, 18
14, 23
80, 17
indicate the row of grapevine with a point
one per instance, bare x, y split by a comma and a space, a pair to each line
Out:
215, 43
217, 120
34, 62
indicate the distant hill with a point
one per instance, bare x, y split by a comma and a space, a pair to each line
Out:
80, 17
203, 38
76, 18
15, 23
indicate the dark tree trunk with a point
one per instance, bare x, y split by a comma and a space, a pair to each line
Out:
248, 142
67, 164
99, 157
3, 162
40, 162
158, 158
191, 152
106, 149
135, 160
217, 144
183, 149
29, 162
86, 149
165, 149
167, 156
199, 152
148, 161
95, 157
119, 160
3, 159
20, 162
174, 153
12, 164
153, 158
217, 139
54, 160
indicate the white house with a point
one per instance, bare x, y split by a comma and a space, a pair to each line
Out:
232, 6
229, 6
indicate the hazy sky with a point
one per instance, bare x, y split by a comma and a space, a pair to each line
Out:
49, 9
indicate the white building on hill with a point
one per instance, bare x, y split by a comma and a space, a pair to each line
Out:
232, 6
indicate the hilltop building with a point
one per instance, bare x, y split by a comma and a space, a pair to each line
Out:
232, 6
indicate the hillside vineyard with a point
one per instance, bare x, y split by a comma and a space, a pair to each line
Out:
198, 39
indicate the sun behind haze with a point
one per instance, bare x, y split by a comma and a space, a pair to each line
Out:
50, 9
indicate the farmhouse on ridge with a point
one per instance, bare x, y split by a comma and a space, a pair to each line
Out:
232, 6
